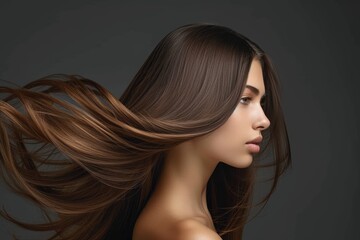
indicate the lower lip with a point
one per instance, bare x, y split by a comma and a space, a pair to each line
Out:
253, 147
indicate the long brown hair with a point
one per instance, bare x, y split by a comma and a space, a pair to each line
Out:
110, 151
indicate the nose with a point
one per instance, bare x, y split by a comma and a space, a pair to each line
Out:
262, 122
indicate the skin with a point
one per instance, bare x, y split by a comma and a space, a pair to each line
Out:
178, 204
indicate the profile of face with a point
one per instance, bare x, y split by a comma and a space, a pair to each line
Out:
228, 143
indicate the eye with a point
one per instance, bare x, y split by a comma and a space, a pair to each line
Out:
245, 100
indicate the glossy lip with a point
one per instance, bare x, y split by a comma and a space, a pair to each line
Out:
256, 140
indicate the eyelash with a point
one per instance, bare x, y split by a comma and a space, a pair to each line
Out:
249, 98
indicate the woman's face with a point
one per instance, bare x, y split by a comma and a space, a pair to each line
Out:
228, 143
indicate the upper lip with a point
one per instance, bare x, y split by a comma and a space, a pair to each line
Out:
256, 140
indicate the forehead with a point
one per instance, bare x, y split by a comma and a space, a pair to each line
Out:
255, 77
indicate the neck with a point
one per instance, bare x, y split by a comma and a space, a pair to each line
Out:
183, 181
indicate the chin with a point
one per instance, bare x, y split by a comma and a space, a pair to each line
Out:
242, 162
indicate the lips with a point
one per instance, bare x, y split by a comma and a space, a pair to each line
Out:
253, 145
256, 140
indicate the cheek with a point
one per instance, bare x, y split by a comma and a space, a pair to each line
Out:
225, 141
229, 143
232, 131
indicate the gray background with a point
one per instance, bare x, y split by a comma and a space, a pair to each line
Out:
314, 45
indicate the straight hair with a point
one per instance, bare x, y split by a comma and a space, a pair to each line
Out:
112, 150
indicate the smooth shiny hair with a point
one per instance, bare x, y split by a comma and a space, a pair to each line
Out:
112, 150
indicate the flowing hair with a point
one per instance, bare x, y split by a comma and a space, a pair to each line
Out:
93, 160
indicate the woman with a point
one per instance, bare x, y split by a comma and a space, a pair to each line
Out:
174, 158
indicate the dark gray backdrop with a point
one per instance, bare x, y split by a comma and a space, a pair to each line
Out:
314, 46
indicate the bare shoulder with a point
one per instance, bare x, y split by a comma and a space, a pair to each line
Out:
190, 229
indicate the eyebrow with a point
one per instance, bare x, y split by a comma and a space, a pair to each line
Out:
254, 90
